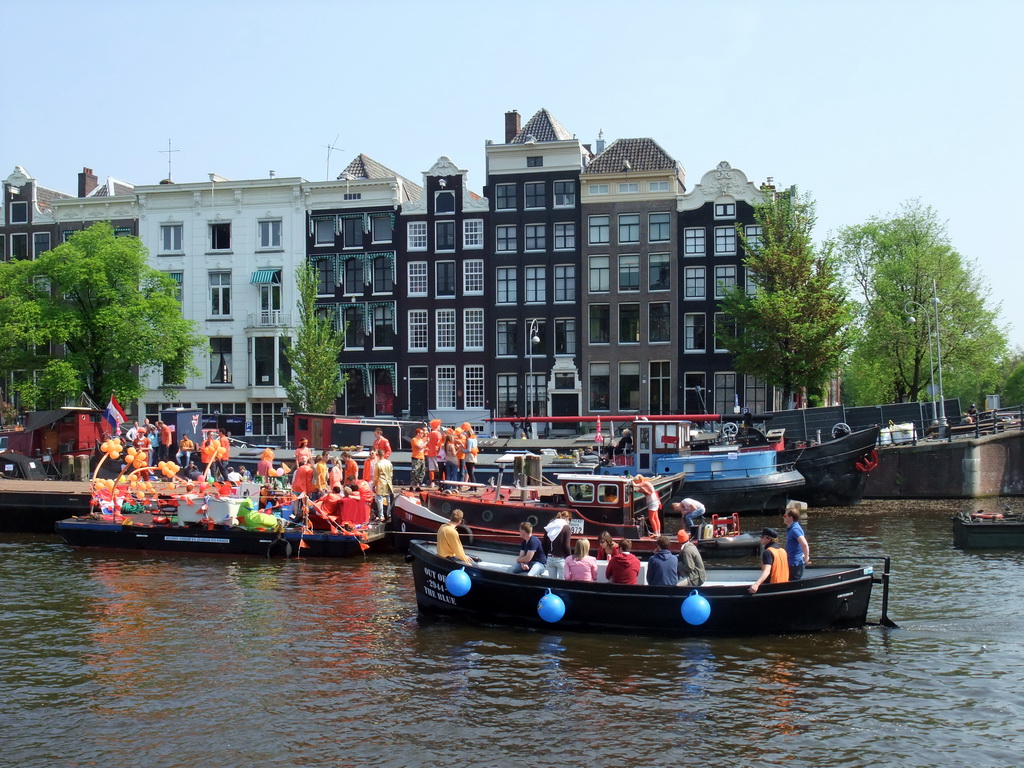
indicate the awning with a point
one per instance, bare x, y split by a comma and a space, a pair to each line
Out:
266, 276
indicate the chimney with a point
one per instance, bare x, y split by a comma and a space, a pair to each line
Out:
511, 125
87, 182
600, 142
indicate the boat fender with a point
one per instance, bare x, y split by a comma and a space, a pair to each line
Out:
986, 516
869, 462
465, 533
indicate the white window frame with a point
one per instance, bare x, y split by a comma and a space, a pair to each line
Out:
501, 238
725, 210
689, 324
695, 241
538, 233
565, 284
416, 235
473, 387
445, 337
22, 206
563, 199
418, 280
597, 189
390, 230
446, 223
694, 283
657, 186
221, 290
628, 187
445, 389
652, 226
498, 198
625, 223
535, 284
473, 329
320, 232
755, 236
419, 330
725, 241
594, 222
595, 263
722, 278
267, 231
565, 232
167, 233
473, 233
473, 277
36, 250
502, 284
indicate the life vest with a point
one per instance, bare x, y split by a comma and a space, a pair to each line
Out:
780, 566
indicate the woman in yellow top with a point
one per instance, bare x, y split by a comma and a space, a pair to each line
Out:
320, 486
448, 542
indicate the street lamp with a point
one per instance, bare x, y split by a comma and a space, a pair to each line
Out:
938, 353
533, 339
940, 411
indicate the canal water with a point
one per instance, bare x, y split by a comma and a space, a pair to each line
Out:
161, 661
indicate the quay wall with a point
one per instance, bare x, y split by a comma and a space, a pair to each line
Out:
990, 465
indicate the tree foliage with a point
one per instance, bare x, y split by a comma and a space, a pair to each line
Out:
793, 330
103, 313
902, 267
316, 381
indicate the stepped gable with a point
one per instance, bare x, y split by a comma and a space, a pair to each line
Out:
542, 127
363, 167
632, 154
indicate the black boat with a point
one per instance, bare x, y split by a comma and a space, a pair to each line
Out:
988, 530
836, 470
828, 597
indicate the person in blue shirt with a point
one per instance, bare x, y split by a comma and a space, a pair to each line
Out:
662, 565
797, 549
531, 561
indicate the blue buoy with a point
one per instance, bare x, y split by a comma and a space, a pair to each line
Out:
696, 609
458, 582
551, 608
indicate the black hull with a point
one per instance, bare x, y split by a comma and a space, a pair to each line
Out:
762, 494
829, 598
830, 469
988, 534
38, 511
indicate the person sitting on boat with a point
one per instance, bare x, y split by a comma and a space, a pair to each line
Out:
774, 561
531, 560
330, 504
623, 567
185, 450
798, 550
606, 546
559, 533
234, 476
662, 566
193, 472
646, 487
625, 444
581, 565
690, 509
448, 542
691, 571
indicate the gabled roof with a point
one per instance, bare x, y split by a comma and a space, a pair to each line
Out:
632, 155
363, 167
542, 127
44, 196
112, 187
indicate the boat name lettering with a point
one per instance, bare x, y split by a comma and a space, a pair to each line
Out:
196, 538
436, 588
845, 594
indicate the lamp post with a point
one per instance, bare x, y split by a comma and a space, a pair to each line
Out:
928, 325
938, 354
533, 339
940, 410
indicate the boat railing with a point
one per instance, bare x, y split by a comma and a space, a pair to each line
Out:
876, 578
726, 473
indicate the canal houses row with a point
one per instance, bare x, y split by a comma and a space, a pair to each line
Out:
584, 279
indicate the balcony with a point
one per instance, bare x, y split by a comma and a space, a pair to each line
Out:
270, 318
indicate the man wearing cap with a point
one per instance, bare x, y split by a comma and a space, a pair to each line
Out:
690, 571
774, 561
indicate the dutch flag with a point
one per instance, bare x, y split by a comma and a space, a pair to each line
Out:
114, 415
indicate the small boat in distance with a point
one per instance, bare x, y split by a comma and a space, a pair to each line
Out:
988, 530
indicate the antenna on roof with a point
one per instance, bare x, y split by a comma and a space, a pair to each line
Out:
168, 152
330, 147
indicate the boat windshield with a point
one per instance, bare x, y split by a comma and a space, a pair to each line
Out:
580, 492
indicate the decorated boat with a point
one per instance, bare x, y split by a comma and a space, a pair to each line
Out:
596, 503
988, 530
828, 597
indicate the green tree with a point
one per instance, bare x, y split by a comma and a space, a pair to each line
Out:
904, 266
316, 381
792, 331
106, 314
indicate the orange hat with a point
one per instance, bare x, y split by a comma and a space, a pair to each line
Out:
435, 423
683, 536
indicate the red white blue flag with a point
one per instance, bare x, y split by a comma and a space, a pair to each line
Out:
114, 415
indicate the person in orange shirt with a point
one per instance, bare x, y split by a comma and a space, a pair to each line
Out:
380, 443
185, 449
220, 465
434, 442
349, 468
302, 452
419, 466
302, 481
166, 440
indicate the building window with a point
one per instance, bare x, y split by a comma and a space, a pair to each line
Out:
600, 230
565, 194
444, 202
600, 325
659, 272
629, 323
565, 236
723, 324
473, 277
725, 210
506, 239
325, 276
533, 194
351, 319
600, 274
220, 236
565, 336
473, 233
220, 294
751, 284
534, 161
693, 283
40, 243
725, 280
473, 330
170, 238
3, 246
383, 328
270, 233
352, 196
537, 394
694, 332
725, 241
418, 337
755, 394
264, 361
695, 388
383, 279
536, 237
565, 282
536, 284
597, 189
353, 277
754, 235
600, 386
629, 386
507, 340
177, 277
659, 326
507, 285
382, 228
693, 241
725, 392
629, 228
659, 227
19, 212
660, 387
507, 394
657, 186
444, 235
419, 283
629, 272
19, 246
445, 387
444, 274
474, 386
444, 326
352, 232
629, 187
504, 197
220, 360
324, 231
417, 235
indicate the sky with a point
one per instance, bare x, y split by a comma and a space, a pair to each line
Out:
863, 105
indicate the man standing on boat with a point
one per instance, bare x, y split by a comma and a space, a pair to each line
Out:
797, 549
662, 566
383, 485
381, 443
774, 561
531, 561
419, 464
